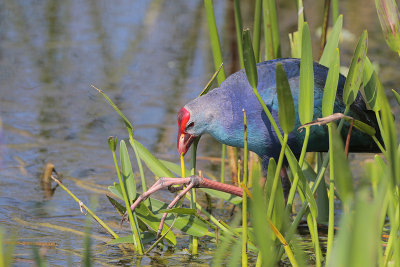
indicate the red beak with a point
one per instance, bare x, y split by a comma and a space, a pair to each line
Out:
185, 140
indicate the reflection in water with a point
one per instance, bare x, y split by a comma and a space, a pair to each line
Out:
150, 57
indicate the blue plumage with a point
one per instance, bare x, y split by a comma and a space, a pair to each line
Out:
219, 113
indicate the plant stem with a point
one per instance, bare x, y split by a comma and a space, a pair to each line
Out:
324, 26
293, 188
140, 166
276, 177
304, 207
239, 27
103, 224
257, 29
133, 222
195, 241
244, 201
331, 223
335, 10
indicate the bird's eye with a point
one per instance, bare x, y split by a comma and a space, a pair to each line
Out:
190, 125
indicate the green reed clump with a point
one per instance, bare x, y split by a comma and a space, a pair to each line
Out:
272, 233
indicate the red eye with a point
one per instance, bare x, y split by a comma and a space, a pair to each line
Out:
190, 125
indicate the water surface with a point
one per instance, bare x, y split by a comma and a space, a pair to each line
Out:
150, 57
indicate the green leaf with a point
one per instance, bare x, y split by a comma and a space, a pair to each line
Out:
389, 17
306, 83
181, 211
270, 176
361, 126
116, 190
360, 228
332, 43
303, 185
397, 96
189, 224
295, 47
152, 162
127, 172
214, 39
278, 212
258, 209
390, 138
271, 30
120, 208
354, 77
249, 61
371, 86
344, 180
286, 113
112, 143
322, 194
328, 99
152, 221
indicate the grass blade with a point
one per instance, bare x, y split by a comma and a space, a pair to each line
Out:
152, 162
257, 29
397, 96
271, 31
286, 112
306, 83
354, 77
249, 61
215, 44
332, 43
239, 29
372, 85
328, 99
344, 181
127, 172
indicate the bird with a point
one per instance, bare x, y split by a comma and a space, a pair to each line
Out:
219, 113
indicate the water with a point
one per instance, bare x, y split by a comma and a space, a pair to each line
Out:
150, 57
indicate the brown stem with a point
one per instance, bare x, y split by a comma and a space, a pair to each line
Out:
324, 26
346, 150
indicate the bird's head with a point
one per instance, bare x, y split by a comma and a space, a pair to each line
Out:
186, 135
194, 119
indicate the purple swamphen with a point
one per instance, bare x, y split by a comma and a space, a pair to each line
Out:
219, 113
